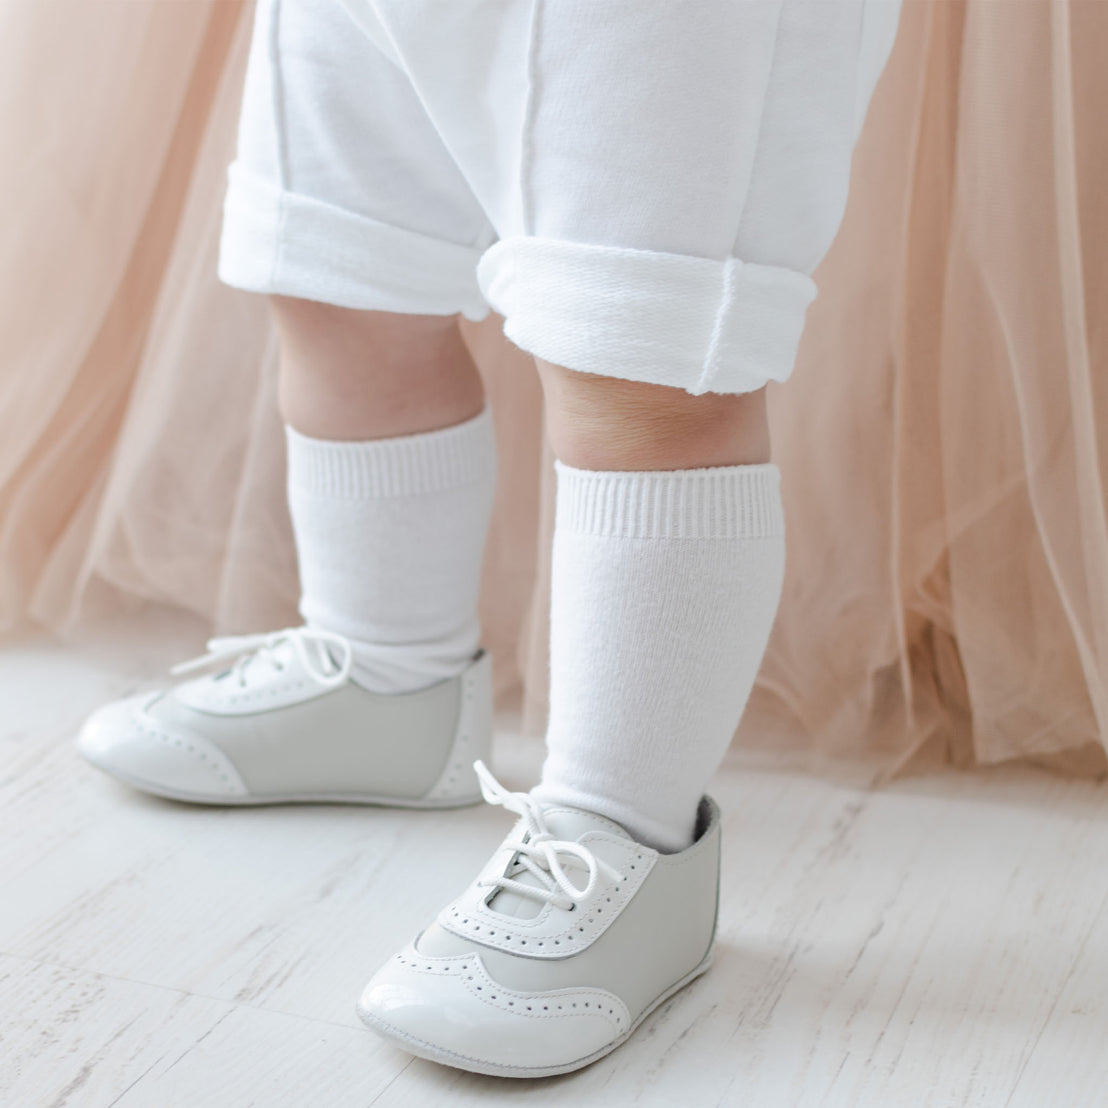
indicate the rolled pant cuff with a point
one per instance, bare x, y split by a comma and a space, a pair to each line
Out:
280, 242
667, 319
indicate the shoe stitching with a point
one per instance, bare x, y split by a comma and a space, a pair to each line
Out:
439, 1053
554, 1004
255, 695
169, 739
457, 760
260, 694
580, 934
587, 931
460, 756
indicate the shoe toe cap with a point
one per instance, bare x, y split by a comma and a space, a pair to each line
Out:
451, 1010
125, 740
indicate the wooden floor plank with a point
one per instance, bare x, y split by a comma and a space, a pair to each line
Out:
88, 1039
940, 941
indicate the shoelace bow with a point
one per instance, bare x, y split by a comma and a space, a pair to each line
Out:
319, 663
539, 852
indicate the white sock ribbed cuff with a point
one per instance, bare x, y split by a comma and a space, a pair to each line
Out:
721, 502
431, 461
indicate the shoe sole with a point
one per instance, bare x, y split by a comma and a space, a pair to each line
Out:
433, 1053
250, 801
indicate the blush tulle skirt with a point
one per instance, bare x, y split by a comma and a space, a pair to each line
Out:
942, 439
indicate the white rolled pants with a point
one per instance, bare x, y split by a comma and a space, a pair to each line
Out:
642, 188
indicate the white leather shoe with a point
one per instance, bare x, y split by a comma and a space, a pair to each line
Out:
571, 935
285, 723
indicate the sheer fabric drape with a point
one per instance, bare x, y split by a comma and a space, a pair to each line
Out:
942, 440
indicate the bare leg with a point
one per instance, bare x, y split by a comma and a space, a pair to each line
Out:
609, 423
352, 375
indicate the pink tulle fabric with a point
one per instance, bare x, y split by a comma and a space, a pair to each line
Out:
941, 441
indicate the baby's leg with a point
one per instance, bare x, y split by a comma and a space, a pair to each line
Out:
345, 208
391, 473
667, 177
667, 566
356, 375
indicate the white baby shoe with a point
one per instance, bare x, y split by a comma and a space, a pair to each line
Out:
571, 935
285, 723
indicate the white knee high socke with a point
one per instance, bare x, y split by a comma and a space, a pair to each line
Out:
389, 535
663, 592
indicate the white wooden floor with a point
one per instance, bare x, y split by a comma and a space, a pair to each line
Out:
943, 941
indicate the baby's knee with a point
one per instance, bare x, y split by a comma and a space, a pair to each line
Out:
316, 325
598, 422
353, 374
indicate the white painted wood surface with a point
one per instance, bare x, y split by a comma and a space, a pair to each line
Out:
941, 941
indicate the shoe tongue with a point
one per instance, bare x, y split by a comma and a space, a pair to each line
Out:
568, 825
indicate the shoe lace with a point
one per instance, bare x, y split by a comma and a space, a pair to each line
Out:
312, 649
538, 852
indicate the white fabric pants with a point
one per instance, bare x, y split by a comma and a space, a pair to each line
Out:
642, 188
